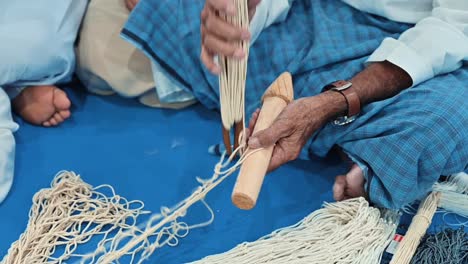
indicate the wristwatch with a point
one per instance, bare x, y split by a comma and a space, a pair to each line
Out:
352, 99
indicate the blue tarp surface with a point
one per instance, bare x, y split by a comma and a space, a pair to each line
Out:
154, 155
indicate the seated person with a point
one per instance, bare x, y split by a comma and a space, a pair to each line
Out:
107, 64
401, 115
36, 54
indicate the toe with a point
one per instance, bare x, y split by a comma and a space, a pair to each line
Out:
355, 182
53, 122
61, 101
339, 188
355, 178
58, 117
64, 114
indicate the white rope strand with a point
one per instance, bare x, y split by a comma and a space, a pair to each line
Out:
344, 232
233, 74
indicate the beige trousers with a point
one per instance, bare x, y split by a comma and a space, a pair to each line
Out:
107, 64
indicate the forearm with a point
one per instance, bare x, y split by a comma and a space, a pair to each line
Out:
379, 81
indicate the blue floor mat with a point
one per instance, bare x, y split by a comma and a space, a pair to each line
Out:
154, 155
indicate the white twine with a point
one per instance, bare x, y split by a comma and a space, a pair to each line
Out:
72, 212
234, 73
68, 214
345, 232
454, 194
421, 221
164, 228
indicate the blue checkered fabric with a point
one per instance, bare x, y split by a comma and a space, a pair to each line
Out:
407, 141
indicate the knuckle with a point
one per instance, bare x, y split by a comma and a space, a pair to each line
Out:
230, 50
235, 34
206, 40
210, 25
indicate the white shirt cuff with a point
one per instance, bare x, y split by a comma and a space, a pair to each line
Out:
268, 12
401, 55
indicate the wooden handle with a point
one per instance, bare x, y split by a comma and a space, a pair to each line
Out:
254, 168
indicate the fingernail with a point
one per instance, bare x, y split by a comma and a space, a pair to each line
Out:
254, 143
231, 9
239, 54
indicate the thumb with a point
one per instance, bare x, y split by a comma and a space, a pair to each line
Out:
267, 137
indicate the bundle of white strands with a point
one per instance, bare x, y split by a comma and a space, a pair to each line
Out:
345, 232
451, 195
72, 212
454, 194
232, 80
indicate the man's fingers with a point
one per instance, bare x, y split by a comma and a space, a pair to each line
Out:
223, 30
217, 34
207, 59
250, 129
221, 47
279, 158
269, 137
223, 6
253, 121
204, 15
228, 7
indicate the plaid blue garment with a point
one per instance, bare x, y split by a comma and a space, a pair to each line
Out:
406, 142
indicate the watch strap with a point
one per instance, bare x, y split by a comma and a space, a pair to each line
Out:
354, 104
351, 97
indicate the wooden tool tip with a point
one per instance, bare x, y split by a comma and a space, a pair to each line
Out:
243, 201
282, 87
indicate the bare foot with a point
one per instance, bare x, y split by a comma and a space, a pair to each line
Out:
42, 105
350, 185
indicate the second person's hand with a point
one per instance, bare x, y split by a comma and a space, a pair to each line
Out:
218, 37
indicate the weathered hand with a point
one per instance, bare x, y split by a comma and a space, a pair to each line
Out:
131, 4
218, 36
293, 127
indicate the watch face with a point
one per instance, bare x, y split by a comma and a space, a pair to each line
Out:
344, 120
343, 86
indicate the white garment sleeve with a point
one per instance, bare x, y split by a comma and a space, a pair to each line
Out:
268, 12
435, 45
7, 145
